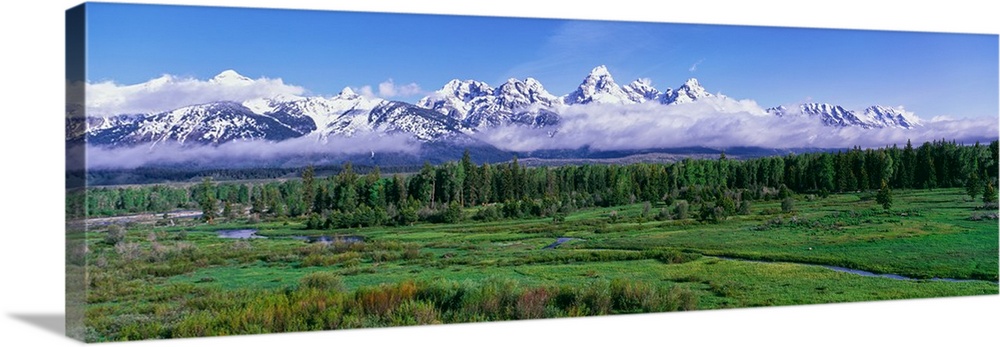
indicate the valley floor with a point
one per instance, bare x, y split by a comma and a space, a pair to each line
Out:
184, 280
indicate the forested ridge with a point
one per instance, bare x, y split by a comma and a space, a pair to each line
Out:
510, 190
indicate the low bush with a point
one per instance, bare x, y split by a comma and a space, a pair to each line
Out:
115, 234
323, 281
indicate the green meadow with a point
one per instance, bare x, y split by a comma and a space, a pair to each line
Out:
169, 278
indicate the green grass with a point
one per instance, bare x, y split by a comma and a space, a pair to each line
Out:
177, 281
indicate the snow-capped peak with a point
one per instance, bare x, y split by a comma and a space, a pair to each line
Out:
891, 116
598, 87
347, 92
871, 117
641, 90
454, 98
464, 90
230, 77
688, 92
600, 71
515, 94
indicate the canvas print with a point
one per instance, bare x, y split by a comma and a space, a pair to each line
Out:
246, 171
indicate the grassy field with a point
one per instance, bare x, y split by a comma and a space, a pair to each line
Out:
183, 280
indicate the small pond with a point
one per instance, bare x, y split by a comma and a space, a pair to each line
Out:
329, 239
239, 234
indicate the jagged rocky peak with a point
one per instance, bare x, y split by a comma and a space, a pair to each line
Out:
598, 87
454, 99
892, 117
836, 115
641, 90
348, 93
688, 92
830, 114
515, 93
466, 89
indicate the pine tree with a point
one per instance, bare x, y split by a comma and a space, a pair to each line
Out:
471, 183
972, 185
208, 200
257, 200
228, 211
884, 196
308, 188
908, 166
989, 193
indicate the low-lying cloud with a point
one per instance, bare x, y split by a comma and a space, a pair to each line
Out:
719, 123
307, 149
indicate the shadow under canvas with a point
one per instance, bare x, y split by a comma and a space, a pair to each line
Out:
51, 322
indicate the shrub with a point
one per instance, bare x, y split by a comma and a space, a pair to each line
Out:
115, 234
787, 205
597, 298
241, 245
452, 214
487, 214
314, 222
416, 313
382, 300
681, 209
558, 218
447, 296
629, 296
128, 251
532, 303
323, 281
682, 299
411, 253
493, 300
744, 209
664, 215
784, 192
978, 216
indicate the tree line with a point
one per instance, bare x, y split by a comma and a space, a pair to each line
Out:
509, 190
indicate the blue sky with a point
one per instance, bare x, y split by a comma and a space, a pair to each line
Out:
931, 74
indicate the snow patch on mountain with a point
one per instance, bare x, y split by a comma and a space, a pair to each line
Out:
835, 115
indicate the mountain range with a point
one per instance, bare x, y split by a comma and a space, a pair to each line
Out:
458, 111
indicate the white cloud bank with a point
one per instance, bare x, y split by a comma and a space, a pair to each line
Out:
170, 92
243, 153
718, 123
389, 89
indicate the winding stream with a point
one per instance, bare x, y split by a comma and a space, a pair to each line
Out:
859, 272
560, 241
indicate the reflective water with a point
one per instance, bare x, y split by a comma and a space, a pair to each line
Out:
240, 234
